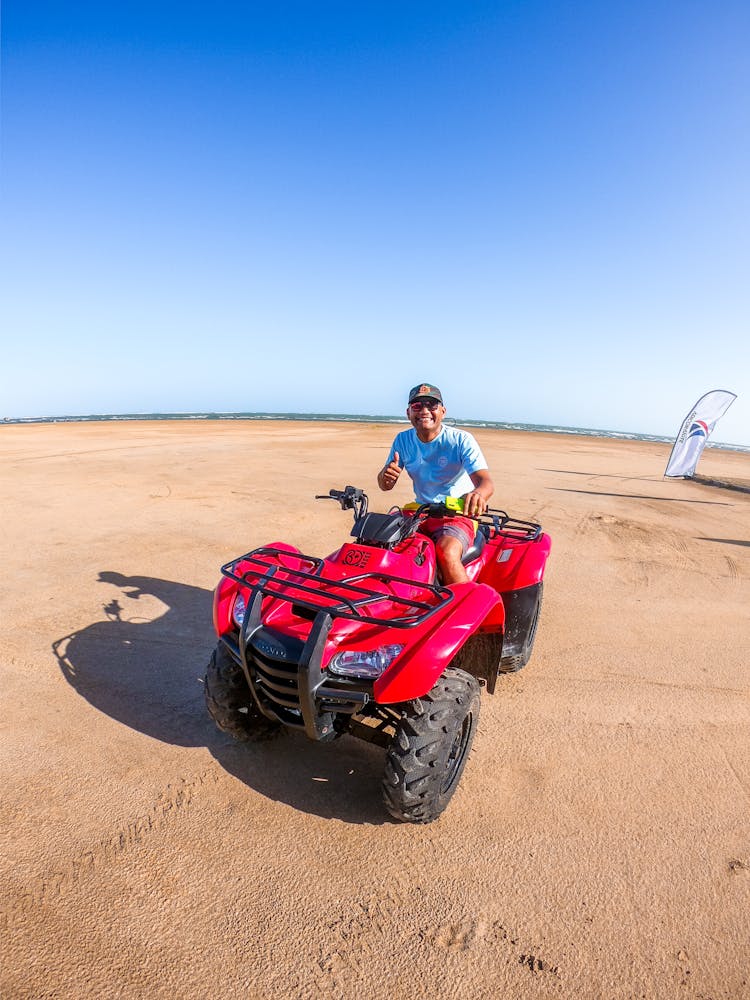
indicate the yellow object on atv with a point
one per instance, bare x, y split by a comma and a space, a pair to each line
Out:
455, 504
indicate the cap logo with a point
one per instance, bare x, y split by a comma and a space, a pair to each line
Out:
425, 389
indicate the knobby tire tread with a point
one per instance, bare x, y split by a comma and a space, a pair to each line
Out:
227, 693
415, 766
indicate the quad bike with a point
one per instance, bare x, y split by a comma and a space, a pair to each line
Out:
368, 642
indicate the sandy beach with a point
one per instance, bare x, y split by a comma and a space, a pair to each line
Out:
597, 847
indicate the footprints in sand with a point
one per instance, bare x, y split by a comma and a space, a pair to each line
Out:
479, 930
684, 963
537, 964
362, 936
525, 956
355, 938
460, 936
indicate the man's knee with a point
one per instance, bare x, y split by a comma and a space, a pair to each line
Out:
449, 549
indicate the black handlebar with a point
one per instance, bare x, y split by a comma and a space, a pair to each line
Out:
350, 498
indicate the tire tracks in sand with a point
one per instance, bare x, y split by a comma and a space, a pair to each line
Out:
734, 569
634, 550
168, 808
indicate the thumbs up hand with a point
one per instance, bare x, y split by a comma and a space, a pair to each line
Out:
389, 475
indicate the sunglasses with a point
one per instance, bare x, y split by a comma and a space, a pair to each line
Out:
419, 404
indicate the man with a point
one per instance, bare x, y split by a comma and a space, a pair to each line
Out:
442, 462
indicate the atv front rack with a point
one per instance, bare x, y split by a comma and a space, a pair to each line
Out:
309, 592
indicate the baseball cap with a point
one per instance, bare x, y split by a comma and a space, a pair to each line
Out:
425, 390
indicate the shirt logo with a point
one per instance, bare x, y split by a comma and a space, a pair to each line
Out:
442, 461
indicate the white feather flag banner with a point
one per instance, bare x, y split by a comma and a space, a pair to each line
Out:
695, 431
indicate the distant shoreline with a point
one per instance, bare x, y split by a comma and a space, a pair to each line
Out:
362, 418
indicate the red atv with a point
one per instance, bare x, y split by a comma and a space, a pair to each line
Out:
368, 642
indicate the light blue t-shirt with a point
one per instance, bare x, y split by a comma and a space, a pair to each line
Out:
440, 468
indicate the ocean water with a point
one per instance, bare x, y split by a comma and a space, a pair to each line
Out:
362, 418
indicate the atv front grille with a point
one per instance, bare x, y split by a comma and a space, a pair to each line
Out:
278, 672
275, 679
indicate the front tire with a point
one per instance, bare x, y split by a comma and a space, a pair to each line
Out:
429, 750
230, 702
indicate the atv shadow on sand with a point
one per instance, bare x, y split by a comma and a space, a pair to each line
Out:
148, 675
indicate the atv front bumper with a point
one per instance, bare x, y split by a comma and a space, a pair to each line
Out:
287, 681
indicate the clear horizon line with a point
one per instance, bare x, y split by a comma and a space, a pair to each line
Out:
358, 418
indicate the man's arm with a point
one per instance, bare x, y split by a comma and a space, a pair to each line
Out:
388, 475
475, 502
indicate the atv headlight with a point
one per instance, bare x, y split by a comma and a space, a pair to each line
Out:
368, 664
238, 611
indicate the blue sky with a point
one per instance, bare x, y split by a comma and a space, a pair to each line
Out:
542, 207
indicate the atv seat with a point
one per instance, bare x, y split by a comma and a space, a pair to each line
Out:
475, 549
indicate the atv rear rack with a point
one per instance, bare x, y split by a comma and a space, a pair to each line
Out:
337, 598
492, 523
498, 522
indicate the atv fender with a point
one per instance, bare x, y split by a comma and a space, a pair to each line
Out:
417, 669
227, 588
517, 564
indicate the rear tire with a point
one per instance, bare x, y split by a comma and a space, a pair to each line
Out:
511, 664
230, 702
429, 750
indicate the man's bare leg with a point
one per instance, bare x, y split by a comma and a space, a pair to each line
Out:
449, 551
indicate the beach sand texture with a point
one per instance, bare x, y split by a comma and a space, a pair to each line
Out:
597, 847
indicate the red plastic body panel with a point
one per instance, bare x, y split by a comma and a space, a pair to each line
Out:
353, 558
507, 564
223, 600
417, 668
514, 564
226, 590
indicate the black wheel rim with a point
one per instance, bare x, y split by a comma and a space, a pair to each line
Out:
456, 755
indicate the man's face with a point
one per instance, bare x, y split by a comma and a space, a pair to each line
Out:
426, 415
